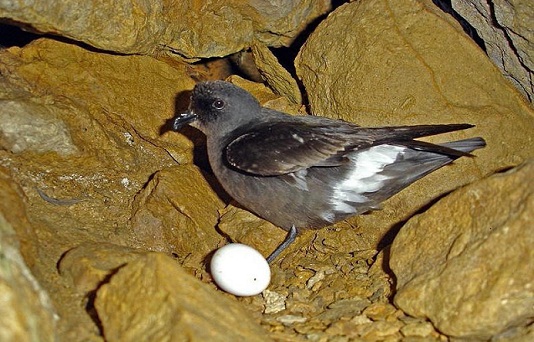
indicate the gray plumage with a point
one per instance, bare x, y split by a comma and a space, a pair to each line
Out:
309, 171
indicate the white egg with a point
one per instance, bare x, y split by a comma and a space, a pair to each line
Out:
240, 270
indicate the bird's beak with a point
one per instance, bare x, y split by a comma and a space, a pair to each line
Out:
182, 119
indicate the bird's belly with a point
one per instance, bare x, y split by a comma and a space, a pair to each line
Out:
284, 204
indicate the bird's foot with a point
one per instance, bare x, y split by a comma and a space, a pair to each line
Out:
290, 238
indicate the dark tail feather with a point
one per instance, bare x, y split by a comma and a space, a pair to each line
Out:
418, 131
466, 145
453, 149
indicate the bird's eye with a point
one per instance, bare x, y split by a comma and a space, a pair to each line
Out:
218, 104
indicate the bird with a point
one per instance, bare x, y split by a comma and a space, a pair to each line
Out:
308, 172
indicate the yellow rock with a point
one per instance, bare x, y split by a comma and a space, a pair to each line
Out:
190, 29
154, 299
467, 263
380, 63
177, 212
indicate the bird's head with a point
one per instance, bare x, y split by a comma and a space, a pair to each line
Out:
218, 106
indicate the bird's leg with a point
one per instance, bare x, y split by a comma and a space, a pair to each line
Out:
291, 235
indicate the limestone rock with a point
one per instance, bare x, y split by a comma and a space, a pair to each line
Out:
192, 29
507, 31
13, 209
26, 311
87, 266
113, 108
163, 302
244, 227
29, 126
177, 213
68, 76
114, 179
396, 63
467, 262
283, 20
278, 78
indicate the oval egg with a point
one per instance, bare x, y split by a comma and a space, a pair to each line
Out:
240, 270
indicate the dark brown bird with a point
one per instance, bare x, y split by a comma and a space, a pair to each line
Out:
307, 172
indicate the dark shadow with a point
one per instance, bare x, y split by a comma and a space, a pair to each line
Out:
149, 179
387, 269
15, 35
181, 104
286, 55
505, 169
91, 297
215, 185
206, 262
446, 6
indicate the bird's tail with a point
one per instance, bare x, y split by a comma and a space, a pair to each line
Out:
423, 159
466, 145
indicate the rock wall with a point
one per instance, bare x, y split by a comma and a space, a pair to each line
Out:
108, 220
506, 28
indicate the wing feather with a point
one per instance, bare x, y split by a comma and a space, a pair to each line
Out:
272, 149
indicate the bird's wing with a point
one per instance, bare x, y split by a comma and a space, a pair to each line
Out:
280, 148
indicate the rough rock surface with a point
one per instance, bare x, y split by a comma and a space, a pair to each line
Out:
508, 35
31, 126
91, 264
178, 305
192, 29
99, 183
27, 312
396, 73
113, 118
166, 216
467, 263
278, 78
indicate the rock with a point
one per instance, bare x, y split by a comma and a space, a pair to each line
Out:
289, 320
422, 329
506, 29
284, 20
89, 265
278, 78
274, 302
350, 307
13, 209
467, 262
113, 108
244, 227
162, 302
397, 64
380, 311
110, 185
266, 96
104, 93
190, 29
30, 126
177, 213
26, 311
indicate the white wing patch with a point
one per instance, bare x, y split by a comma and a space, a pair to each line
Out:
364, 177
